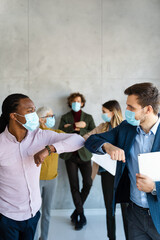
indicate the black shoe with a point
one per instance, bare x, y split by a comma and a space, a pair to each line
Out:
74, 216
81, 222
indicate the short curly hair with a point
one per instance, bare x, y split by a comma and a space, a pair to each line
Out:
73, 96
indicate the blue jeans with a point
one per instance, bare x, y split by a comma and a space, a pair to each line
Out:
140, 224
18, 230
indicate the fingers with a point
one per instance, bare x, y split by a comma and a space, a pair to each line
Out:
67, 125
37, 160
84, 124
76, 124
140, 184
139, 187
77, 129
115, 152
140, 181
80, 124
118, 155
140, 176
121, 155
144, 183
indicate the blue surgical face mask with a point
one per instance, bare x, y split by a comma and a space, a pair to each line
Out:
32, 121
50, 122
105, 117
76, 106
130, 117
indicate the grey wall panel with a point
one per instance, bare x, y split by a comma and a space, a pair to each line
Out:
51, 48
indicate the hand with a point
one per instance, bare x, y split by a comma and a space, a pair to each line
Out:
80, 124
144, 183
40, 156
67, 125
115, 152
77, 129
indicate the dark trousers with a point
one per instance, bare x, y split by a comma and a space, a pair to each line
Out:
140, 224
72, 166
107, 181
18, 230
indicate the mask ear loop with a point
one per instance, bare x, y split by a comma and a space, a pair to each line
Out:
20, 116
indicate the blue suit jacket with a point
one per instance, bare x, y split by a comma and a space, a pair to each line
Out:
123, 137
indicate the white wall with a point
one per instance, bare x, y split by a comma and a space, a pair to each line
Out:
51, 48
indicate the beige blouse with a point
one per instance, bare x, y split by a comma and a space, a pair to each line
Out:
99, 129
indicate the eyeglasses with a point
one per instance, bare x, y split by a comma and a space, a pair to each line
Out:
53, 115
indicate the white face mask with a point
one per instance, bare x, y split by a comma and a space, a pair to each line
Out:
76, 106
130, 117
105, 117
50, 122
32, 121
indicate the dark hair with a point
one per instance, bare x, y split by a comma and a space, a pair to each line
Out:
73, 96
111, 105
9, 105
147, 95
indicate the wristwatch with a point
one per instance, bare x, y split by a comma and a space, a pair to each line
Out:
154, 192
49, 150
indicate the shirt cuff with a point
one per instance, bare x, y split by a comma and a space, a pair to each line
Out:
100, 150
59, 147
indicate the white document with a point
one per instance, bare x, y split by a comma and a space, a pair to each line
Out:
106, 162
149, 165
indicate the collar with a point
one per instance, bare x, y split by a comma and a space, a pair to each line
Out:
153, 130
11, 137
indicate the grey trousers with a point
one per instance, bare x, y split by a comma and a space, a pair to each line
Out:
47, 188
140, 224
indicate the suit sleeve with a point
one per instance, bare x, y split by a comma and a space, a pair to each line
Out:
90, 126
95, 142
158, 190
94, 131
69, 129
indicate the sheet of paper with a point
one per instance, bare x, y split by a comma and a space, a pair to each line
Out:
106, 162
149, 165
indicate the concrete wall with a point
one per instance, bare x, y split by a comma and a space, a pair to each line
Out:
51, 48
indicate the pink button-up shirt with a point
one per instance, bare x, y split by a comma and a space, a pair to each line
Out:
19, 176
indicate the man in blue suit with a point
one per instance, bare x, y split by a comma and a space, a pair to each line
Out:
140, 133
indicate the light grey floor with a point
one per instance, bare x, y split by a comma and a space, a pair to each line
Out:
61, 227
